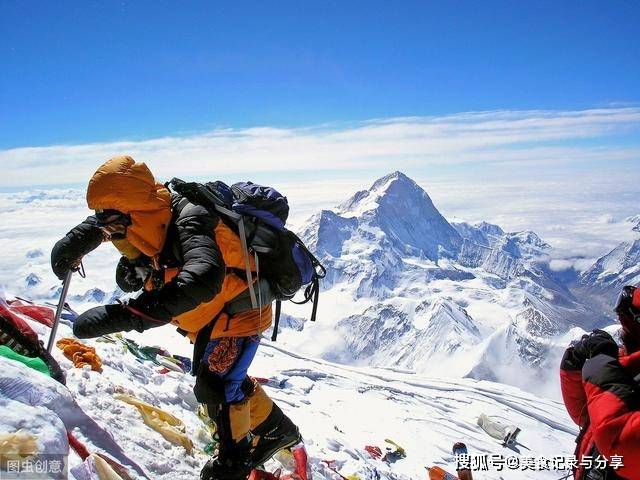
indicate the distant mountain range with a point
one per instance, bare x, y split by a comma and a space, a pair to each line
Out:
435, 296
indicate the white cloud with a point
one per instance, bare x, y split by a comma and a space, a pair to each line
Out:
560, 265
498, 138
605, 219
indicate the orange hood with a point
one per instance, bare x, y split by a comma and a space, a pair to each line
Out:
129, 187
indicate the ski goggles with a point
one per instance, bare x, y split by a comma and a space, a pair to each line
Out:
113, 223
629, 302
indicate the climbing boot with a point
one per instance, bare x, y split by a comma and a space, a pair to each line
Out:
234, 464
274, 434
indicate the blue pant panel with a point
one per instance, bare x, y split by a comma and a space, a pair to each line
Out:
229, 359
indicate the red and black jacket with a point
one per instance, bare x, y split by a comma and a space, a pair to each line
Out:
603, 398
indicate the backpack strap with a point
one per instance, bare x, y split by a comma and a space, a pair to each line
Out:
583, 430
316, 295
311, 293
276, 321
247, 263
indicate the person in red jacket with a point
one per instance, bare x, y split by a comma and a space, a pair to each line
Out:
600, 389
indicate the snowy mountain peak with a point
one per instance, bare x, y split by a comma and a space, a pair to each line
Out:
531, 239
32, 280
489, 228
395, 184
327, 231
396, 176
92, 295
447, 319
481, 233
403, 211
386, 334
485, 234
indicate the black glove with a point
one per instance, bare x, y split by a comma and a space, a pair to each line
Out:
68, 251
131, 274
589, 346
596, 343
101, 320
608, 375
148, 305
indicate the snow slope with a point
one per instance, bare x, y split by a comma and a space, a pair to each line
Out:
339, 409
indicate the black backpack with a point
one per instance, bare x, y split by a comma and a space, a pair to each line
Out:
258, 215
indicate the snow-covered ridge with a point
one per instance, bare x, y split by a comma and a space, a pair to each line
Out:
609, 273
635, 222
621, 266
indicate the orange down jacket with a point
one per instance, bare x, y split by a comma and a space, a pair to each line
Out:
199, 254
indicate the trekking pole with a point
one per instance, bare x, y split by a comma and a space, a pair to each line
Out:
56, 320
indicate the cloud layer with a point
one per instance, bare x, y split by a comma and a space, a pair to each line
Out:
571, 176
501, 139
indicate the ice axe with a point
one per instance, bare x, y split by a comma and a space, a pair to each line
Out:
61, 302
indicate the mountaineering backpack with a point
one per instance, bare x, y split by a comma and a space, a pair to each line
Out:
258, 215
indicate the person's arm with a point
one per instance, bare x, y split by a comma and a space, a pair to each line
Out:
613, 400
69, 250
573, 394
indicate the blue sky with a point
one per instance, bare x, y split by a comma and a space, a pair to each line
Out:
79, 72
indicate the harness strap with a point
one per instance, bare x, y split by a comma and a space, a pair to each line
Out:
579, 438
200, 345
